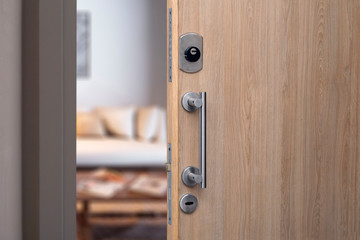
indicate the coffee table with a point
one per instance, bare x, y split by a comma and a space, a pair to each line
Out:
124, 195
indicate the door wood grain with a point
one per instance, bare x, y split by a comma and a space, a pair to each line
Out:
283, 120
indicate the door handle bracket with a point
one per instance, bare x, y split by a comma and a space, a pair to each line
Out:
191, 176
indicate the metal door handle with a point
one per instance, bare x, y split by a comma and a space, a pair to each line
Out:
191, 102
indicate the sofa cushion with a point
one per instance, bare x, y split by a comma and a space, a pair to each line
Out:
147, 124
118, 121
161, 133
89, 125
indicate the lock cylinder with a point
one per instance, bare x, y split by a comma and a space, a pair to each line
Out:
192, 54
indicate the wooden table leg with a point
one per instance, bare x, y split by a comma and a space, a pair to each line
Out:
84, 228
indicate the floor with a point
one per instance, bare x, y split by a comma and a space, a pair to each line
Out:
140, 231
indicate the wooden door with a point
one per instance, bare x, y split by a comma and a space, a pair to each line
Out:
283, 119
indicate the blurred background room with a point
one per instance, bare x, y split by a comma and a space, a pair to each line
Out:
121, 119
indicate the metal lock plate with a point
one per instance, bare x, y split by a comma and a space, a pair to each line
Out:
191, 52
188, 203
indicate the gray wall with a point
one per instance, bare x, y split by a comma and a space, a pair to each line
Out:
10, 119
128, 53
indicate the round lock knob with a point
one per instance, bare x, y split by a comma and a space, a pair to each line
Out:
192, 54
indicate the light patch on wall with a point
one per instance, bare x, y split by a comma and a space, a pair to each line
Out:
128, 44
83, 45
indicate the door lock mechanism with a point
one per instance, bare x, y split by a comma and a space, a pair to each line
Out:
188, 203
190, 52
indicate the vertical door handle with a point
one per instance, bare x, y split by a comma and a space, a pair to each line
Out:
191, 102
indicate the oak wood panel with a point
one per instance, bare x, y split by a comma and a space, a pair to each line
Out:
283, 101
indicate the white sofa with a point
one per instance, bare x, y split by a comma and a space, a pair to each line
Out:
136, 138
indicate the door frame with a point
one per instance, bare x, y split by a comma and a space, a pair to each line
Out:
48, 119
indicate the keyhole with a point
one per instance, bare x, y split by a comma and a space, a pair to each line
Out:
188, 203
193, 51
